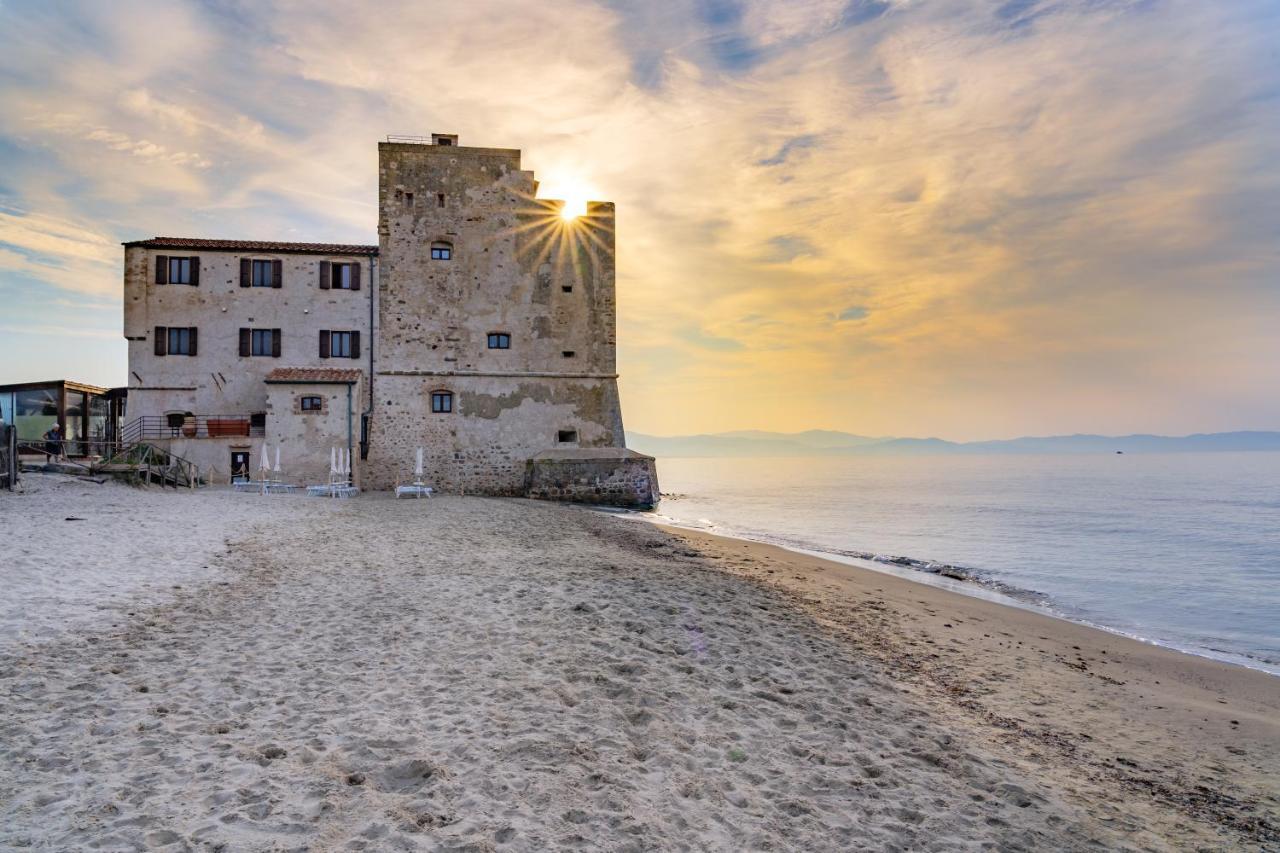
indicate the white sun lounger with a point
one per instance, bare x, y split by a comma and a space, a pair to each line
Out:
415, 490
335, 490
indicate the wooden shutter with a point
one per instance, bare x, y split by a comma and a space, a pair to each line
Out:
192, 331
275, 343
195, 271
277, 274
162, 340
324, 342
355, 276
246, 272
324, 278
246, 342
355, 343
162, 269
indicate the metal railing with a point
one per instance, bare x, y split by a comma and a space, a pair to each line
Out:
420, 140
153, 427
146, 462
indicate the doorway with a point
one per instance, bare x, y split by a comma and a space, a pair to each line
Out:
239, 465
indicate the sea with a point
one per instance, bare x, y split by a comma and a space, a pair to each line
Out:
1180, 550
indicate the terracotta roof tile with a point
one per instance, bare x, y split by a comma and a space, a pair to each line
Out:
338, 375
254, 246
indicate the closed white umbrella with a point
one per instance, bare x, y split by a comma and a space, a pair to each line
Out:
266, 461
333, 460
277, 459
417, 469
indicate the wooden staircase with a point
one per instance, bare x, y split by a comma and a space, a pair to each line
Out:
152, 465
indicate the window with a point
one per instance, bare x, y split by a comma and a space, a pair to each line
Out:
171, 270
499, 340
567, 436
441, 402
175, 340
179, 270
441, 251
262, 274
339, 276
567, 288
339, 344
408, 199
311, 404
439, 199
568, 353
260, 342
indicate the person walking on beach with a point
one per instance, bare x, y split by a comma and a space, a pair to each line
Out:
52, 443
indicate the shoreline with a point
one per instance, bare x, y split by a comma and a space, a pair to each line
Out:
968, 586
1064, 696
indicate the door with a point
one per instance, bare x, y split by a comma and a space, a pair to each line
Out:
239, 465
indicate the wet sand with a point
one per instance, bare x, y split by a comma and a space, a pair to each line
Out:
471, 674
1143, 737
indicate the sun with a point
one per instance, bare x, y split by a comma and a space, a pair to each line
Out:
574, 206
573, 188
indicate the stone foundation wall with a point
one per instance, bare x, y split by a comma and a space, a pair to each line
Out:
629, 480
497, 424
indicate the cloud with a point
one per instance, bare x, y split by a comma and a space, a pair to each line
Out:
1030, 215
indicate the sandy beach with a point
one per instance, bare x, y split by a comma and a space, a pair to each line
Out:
237, 672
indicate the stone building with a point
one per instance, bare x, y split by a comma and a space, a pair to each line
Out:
481, 328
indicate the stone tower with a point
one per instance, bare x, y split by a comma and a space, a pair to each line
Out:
495, 333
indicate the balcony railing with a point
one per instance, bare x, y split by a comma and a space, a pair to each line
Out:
152, 427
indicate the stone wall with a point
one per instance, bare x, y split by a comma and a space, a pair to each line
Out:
306, 438
497, 424
621, 478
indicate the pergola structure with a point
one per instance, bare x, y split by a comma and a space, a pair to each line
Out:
88, 416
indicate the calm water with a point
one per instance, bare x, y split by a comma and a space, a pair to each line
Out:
1179, 549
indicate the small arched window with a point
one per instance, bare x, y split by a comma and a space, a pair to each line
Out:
441, 250
441, 402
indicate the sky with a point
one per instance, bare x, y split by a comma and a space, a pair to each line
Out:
892, 217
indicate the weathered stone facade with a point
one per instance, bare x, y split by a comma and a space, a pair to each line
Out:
593, 475
218, 381
487, 322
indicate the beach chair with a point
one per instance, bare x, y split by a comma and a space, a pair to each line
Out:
418, 488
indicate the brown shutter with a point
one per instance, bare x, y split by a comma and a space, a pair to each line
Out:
246, 338
162, 269
324, 275
192, 330
162, 340
277, 274
355, 344
324, 343
246, 272
195, 271
355, 276
275, 343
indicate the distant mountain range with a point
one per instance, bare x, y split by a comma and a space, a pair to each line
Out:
819, 442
